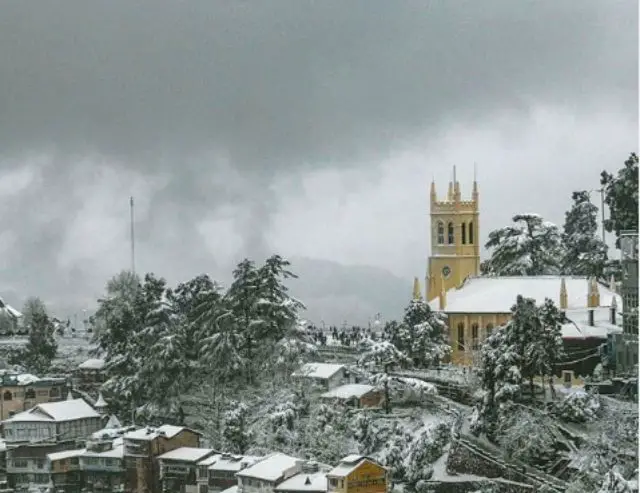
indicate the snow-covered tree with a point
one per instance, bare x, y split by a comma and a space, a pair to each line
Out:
41, 346
378, 354
236, 431
527, 436
621, 195
578, 407
585, 254
428, 447
530, 247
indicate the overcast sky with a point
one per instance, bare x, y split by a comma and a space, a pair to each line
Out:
308, 128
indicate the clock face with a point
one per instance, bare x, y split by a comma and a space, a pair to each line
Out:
446, 271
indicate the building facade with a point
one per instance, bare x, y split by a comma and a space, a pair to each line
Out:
218, 473
142, 449
357, 474
20, 392
179, 468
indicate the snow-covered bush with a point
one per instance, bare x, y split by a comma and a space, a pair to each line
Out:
428, 448
235, 432
578, 407
615, 483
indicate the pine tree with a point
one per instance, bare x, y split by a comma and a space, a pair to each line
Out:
422, 335
585, 252
41, 347
235, 433
528, 248
621, 195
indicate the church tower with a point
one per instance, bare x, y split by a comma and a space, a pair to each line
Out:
455, 239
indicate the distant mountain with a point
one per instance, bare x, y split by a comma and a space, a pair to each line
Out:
336, 293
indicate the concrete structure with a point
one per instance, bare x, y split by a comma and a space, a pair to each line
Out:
178, 468
265, 475
218, 473
326, 375
21, 391
141, 451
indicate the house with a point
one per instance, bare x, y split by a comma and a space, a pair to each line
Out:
310, 480
357, 473
265, 475
44, 429
143, 447
355, 395
178, 468
326, 375
218, 472
98, 468
481, 304
22, 391
90, 374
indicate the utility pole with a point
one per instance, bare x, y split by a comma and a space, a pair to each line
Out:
133, 251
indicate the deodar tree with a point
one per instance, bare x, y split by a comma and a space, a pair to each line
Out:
621, 195
41, 346
529, 247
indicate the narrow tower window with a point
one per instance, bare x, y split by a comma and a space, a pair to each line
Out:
464, 234
440, 232
450, 233
489, 329
460, 336
471, 233
474, 337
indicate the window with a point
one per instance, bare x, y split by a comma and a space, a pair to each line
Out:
440, 233
20, 463
54, 392
474, 336
464, 234
450, 233
7, 396
460, 336
489, 329
202, 472
471, 233
30, 394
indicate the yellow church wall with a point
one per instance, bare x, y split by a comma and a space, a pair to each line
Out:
466, 321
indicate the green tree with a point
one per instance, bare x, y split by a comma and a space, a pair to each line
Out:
621, 195
41, 347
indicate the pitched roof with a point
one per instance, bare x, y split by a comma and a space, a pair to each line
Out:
348, 391
149, 433
304, 481
92, 364
348, 464
69, 410
66, 454
270, 468
318, 370
578, 325
233, 463
498, 294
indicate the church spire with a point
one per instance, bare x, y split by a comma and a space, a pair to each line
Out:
417, 295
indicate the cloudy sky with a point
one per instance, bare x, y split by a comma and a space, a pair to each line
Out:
308, 128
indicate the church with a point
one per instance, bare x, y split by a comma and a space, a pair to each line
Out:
474, 305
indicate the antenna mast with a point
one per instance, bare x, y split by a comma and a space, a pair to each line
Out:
133, 250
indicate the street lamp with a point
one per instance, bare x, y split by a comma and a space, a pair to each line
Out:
601, 191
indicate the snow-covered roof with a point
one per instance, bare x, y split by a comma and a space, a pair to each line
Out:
232, 489
117, 452
233, 463
9, 309
69, 410
109, 432
187, 454
579, 328
303, 481
348, 464
92, 364
100, 402
209, 460
318, 370
498, 294
26, 379
271, 468
113, 422
149, 433
348, 391
66, 454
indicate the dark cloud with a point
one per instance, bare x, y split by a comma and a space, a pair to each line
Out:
217, 98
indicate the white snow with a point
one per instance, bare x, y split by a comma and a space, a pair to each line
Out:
92, 364
27, 379
348, 391
117, 452
318, 370
347, 464
498, 294
100, 402
234, 463
303, 481
209, 460
271, 468
68, 410
150, 433
232, 489
579, 327
66, 454
186, 454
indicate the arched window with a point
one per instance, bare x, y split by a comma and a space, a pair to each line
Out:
471, 233
489, 329
440, 233
464, 234
460, 336
450, 233
7, 396
30, 394
475, 343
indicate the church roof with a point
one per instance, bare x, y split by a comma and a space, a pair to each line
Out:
498, 294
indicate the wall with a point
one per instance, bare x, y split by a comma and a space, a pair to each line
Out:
19, 402
367, 478
484, 321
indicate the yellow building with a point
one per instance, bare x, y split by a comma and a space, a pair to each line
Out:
357, 474
474, 305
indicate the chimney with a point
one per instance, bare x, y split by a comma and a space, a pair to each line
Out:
563, 295
591, 317
443, 295
612, 311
